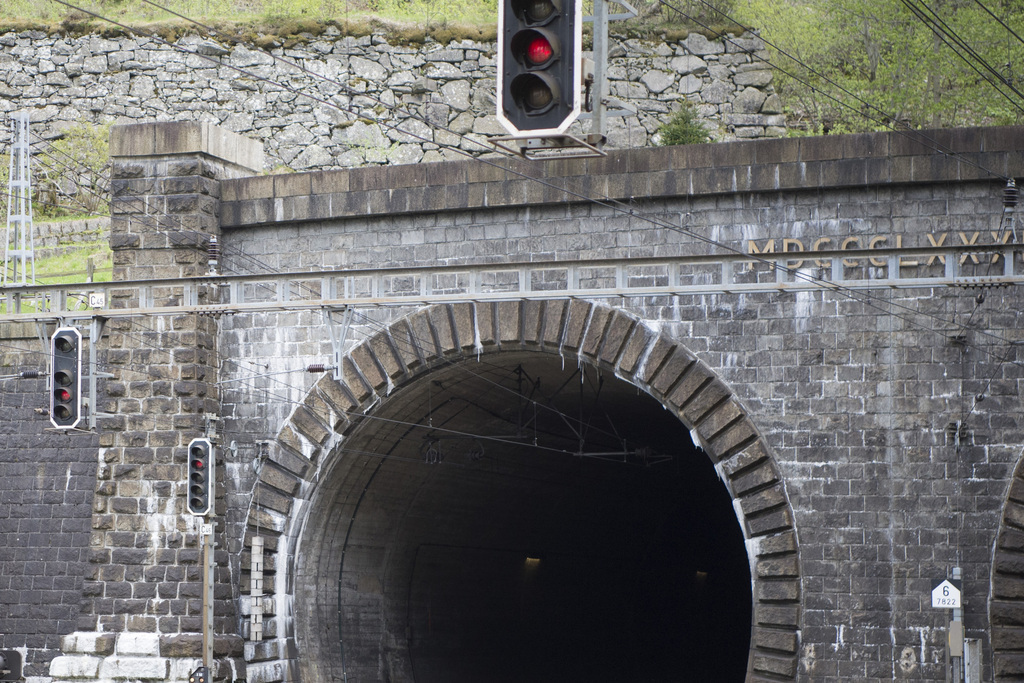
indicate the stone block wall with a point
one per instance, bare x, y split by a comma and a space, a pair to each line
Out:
141, 617
372, 102
855, 394
46, 503
891, 419
53, 237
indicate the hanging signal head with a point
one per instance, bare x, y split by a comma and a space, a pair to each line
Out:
200, 489
539, 76
66, 378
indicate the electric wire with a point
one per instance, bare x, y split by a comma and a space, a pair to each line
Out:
605, 201
1001, 22
630, 210
964, 326
265, 266
953, 41
365, 317
477, 436
1008, 345
886, 120
626, 208
934, 21
284, 398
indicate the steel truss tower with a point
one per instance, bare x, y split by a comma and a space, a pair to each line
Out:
19, 256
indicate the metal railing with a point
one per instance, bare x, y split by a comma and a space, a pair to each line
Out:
732, 273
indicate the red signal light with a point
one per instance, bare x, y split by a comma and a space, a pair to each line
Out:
540, 81
539, 50
62, 395
201, 470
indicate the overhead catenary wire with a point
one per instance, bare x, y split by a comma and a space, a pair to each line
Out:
958, 46
605, 201
860, 297
630, 211
1001, 22
149, 373
1009, 347
884, 118
240, 379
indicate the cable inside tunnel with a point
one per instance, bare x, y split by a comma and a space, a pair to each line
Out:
522, 521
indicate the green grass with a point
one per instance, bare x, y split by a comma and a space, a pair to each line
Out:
71, 266
248, 19
267, 23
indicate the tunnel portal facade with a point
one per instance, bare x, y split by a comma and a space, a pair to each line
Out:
499, 518
750, 478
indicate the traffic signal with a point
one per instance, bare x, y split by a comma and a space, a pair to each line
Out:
10, 665
200, 675
66, 378
540, 84
201, 492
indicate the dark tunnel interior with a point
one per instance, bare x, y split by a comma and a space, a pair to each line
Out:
542, 522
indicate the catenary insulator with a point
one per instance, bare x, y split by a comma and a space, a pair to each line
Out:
1010, 194
213, 253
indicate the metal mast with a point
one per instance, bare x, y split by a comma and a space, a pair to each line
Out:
19, 256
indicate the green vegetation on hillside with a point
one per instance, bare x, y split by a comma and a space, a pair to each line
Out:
264, 23
268, 23
886, 66
70, 176
684, 128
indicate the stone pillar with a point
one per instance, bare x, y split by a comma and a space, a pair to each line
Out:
141, 617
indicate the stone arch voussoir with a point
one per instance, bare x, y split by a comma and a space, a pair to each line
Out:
597, 334
1006, 606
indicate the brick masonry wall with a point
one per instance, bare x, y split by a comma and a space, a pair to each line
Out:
855, 395
45, 510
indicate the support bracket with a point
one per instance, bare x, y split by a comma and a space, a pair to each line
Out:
551, 147
95, 334
339, 335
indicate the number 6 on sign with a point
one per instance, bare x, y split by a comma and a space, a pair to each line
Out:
946, 595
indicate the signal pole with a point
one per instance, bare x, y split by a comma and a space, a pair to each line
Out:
599, 89
206, 540
200, 501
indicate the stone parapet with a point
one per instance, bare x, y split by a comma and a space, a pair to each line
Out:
791, 164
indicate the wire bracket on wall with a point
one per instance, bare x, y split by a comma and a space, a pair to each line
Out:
339, 335
95, 334
551, 146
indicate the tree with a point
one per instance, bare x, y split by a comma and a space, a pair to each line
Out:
855, 65
74, 170
684, 128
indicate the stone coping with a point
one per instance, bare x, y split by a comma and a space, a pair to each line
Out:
185, 137
859, 160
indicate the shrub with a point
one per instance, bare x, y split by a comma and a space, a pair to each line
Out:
684, 128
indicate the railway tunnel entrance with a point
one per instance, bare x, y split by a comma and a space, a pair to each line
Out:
521, 518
